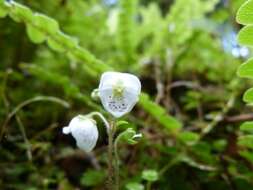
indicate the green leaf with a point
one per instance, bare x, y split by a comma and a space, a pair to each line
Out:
54, 45
247, 155
3, 9
46, 24
247, 127
35, 35
93, 177
21, 13
246, 69
134, 186
245, 36
245, 13
188, 138
246, 141
159, 113
123, 125
64, 41
248, 96
129, 136
150, 175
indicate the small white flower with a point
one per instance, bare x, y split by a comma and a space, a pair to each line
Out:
119, 92
85, 132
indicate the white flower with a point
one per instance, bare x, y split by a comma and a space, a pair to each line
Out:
85, 132
119, 92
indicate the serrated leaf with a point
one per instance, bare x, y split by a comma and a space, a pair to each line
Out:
150, 175
35, 35
246, 141
189, 138
247, 127
245, 36
248, 96
47, 24
245, 13
159, 113
246, 69
134, 186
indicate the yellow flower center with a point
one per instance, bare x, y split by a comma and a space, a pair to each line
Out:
118, 89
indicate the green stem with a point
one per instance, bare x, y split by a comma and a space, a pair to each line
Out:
110, 158
116, 164
27, 102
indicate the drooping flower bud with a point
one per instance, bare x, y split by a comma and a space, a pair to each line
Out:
85, 132
119, 92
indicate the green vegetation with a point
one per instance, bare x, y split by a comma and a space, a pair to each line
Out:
194, 111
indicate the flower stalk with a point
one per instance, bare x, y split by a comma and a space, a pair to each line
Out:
111, 173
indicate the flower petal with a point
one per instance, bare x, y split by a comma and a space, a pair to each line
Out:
127, 88
85, 132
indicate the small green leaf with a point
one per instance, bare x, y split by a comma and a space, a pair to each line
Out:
134, 186
247, 155
245, 13
150, 175
54, 45
246, 69
21, 13
45, 23
123, 125
121, 122
188, 138
247, 127
246, 141
3, 9
35, 35
245, 36
129, 136
65, 41
93, 177
248, 96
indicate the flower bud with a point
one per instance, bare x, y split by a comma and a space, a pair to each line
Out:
85, 132
119, 92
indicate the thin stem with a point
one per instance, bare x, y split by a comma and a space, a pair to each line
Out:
110, 158
219, 117
27, 143
116, 162
107, 125
27, 102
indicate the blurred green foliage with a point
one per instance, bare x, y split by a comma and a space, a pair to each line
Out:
189, 113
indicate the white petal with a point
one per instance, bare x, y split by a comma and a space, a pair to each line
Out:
66, 130
109, 79
118, 106
85, 132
